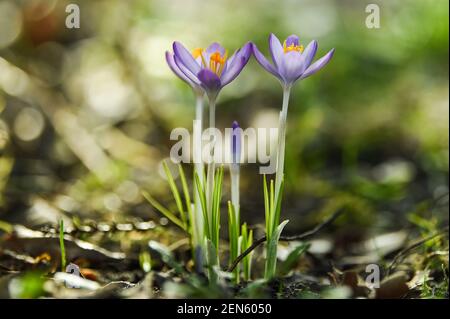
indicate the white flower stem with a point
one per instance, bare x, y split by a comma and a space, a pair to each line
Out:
234, 174
198, 143
281, 141
213, 254
235, 229
198, 223
211, 166
212, 112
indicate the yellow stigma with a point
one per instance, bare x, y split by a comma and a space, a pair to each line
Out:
217, 62
197, 52
292, 47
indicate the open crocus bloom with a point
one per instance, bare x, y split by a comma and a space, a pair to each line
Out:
209, 69
291, 61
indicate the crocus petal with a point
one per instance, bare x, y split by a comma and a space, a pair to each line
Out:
209, 80
310, 52
175, 69
235, 67
246, 50
188, 73
231, 58
230, 61
316, 66
292, 40
185, 57
215, 47
291, 67
276, 50
264, 62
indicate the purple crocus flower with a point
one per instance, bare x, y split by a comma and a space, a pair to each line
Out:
209, 69
291, 61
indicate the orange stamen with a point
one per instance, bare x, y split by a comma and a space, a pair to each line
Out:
217, 62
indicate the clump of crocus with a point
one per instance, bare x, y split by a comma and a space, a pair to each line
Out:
208, 71
291, 62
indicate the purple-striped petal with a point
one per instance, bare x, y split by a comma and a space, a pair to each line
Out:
310, 52
175, 69
209, 80
276, 50
237, 64
185, 57
261, 59
291, 66
230, 61
188, 73
316, 66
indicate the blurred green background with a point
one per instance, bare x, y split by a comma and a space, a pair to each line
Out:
85, 114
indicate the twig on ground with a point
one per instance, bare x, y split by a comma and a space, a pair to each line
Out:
402, 254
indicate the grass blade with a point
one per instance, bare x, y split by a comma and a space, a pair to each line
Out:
61, 246
217, 194
248, 259
272, 246
203, 203
167, 213
277, 211
246, 242
266, 206
176, 194
292, 258
186, 194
